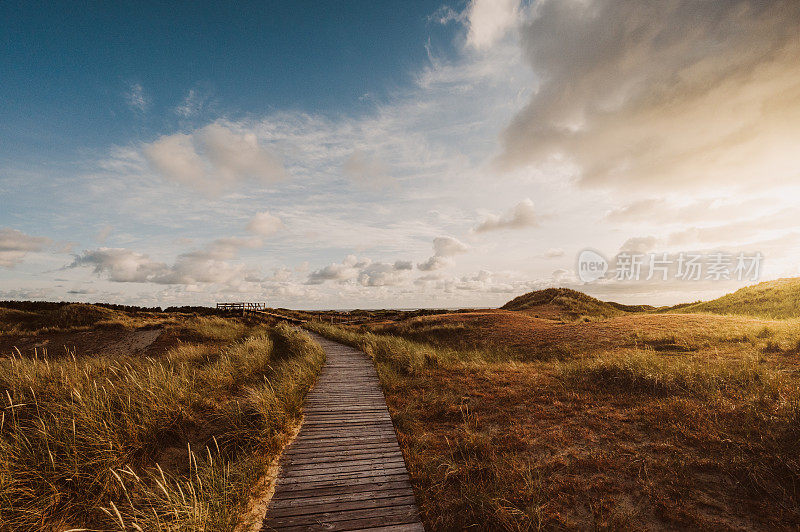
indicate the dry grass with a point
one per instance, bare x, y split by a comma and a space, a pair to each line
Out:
645, 421
779, 299
87, 330
137, 443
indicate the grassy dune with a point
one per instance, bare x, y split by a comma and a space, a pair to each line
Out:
177, 442
564, 303
778, 299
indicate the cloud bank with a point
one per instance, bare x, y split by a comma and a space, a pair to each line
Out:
673, 93
209, 264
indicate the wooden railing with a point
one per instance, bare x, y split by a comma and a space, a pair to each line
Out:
257, 309
241, 307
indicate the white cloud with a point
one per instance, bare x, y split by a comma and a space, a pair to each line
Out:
444, 248
364, 272
446, 14
381, 274
103, 233
136, 98
15, 245
202, 266
224, 248
343, 271
265, 224
191, 105
214, 158
447, 246
521, 216
366, 170
662, 94
174, 156
120, 264
435, 263
489, 20
238, 155
281, 275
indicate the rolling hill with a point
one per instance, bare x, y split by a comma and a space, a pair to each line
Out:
555, 303
779, 299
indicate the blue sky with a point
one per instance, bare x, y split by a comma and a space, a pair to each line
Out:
376, 154
66, 66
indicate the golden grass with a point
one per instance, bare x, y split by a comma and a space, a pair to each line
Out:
81, 439
779, 299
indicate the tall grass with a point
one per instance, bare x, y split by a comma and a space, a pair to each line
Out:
80, 438
779, 299
646, 370
408, 356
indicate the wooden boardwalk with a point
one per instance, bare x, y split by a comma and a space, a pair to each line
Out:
344, 471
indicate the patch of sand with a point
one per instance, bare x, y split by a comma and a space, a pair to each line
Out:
264, 489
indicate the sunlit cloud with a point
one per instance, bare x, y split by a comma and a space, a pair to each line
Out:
213, 158
521, 216
662, 94
444, 249
265, 224
489, 20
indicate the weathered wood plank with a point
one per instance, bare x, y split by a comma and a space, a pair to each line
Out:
345, 470
332, 488
342, 497
316, 507
357, 519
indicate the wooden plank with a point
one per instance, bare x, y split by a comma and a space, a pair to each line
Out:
334, 488
341, 497
345, 469
344, 455
345, 460
335, 480
314, 506
404, 513
407, 527
374, 474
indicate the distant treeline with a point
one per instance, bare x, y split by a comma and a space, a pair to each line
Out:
33, 306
